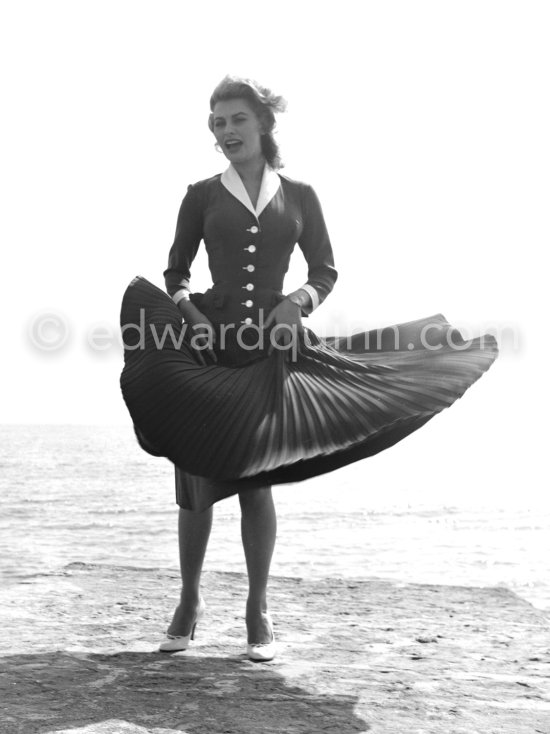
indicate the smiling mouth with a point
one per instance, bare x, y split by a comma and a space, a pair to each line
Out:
232, 145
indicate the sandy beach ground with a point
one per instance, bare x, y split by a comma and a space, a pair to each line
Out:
78, 654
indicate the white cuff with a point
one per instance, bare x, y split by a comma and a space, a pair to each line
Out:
312, 294
180, 295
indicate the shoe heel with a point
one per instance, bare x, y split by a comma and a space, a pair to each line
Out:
200, 612
179, 643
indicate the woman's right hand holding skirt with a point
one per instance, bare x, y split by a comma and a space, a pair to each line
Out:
201, 333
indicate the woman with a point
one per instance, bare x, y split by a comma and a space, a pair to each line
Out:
242, 395
242, 119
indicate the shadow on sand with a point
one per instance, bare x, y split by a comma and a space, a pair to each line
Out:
139, 692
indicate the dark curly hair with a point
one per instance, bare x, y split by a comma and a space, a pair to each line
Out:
263, 102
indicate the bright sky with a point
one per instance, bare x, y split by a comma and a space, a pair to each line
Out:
423, 126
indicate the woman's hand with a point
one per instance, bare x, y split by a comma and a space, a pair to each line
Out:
202, 336
287, 324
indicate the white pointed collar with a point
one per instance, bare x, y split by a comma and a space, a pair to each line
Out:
269, 187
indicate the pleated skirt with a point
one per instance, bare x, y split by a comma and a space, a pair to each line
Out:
277, 420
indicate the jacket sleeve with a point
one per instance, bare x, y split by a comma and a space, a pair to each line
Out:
315, 244
186, 244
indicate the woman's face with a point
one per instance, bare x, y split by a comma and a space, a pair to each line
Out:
237, 130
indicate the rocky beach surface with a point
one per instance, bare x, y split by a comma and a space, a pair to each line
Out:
78, 655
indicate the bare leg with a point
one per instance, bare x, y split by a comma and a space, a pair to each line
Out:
193, 533
259, 531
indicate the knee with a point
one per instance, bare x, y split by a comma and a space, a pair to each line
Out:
195, 517
186, 512
255, 499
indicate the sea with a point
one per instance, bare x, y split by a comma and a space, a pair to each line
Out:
90, 494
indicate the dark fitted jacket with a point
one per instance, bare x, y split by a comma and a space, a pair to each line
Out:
248, 255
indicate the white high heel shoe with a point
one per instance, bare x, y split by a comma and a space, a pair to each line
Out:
263, 651
177, 643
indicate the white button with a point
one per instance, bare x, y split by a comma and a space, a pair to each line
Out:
249, 286
248, 303
253, 229
250, 268
251, 248
247, 321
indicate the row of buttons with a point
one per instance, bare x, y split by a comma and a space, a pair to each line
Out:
254, 229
